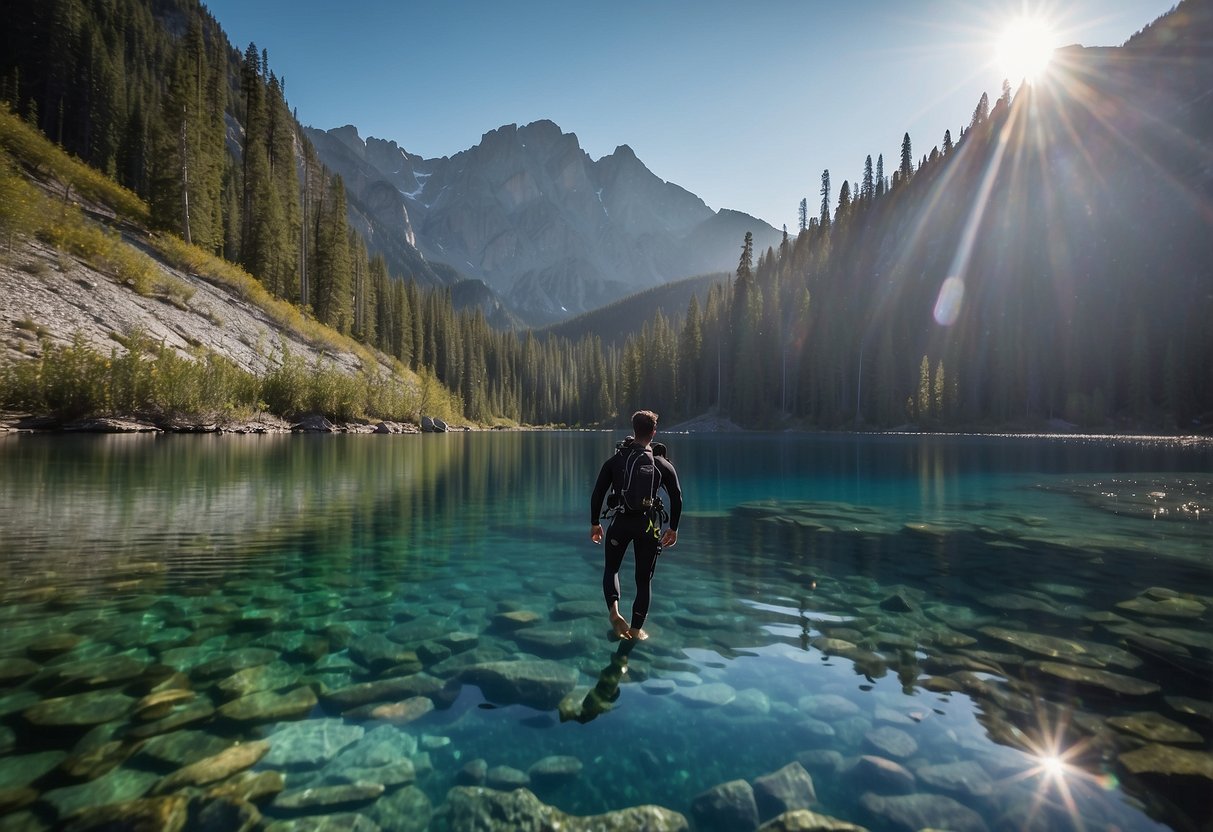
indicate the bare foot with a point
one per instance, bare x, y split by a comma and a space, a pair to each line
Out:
637, 634
620, 626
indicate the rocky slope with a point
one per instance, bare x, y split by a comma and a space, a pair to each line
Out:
548, 229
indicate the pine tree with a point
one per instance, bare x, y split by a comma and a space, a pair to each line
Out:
947, 142
907, 161
804, 213
881, 187
334, 299
1005, 98
844, 202
867, 190
824, 217
981, 113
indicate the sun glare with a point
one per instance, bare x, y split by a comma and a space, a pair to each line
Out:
1024, 49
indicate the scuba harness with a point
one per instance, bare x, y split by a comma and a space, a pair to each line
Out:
634, 487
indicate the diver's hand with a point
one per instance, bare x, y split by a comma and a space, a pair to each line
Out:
669, 538
596, 533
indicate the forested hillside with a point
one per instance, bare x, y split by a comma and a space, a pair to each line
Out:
1048, 261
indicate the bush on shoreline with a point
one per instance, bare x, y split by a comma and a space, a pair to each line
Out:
154, 381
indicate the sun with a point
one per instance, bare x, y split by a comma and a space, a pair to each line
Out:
1024, 49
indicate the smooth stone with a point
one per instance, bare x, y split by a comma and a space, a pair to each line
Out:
226, 763
472, 773
384, 745
1187, 705
181, 748
1198, 639
378, 653
896, 603
197, 710
1064, 648
92, 762
727, 807
514, 619
273, 676
15, 671
1155, 727
540, 684
506, 778
52, 645
822, 760
233, 661
384, 690
397, 713
827, 706
1115, 682
922, 811
8, 739
100, 672
550, 641
472, 808
1169, 761
404, 810
153, 813
802, 820
120, 785
888, 741
710, 695
250, 786
269, 706
458, 642
399, 773
346, 794
160, 704
784, 790
311, 743
337, 822
751, 701
1169, 608
659, 687
554, 770
884, 713
567, 610
965, 778
11, 800
20, 771
79, 709
19, 701
872, 773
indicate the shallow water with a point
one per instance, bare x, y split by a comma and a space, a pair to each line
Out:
961, 608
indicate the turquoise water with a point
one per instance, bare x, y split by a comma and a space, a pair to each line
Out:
918, 623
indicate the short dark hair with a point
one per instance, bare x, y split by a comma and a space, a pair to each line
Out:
644, 423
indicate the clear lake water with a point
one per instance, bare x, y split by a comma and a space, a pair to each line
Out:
951, 631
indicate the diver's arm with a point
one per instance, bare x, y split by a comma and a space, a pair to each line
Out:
601, 486
669, 481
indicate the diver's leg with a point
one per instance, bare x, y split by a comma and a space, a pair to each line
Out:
646, 548
616, 546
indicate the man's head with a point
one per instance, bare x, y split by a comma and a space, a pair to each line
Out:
644, 425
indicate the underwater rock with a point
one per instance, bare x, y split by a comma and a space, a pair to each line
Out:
710, 695
964, 779
311, 743
571, 610
118, 786
1168, 761
872, 773
269, 706
51, 645
539, 683
81, 709
338, 822
385, 745
751, 701
219, 767
911, 812
507, 622
180, 748
1105, 680
1155, 727
346, 795
781, 791
378, 653
473, 773
827, 706
888, 741
196, 710
405, 810
1199, 639
728, 807
397, 713
153, 813
1170, 608
1187, 705
802, 820
659, 687
232, 661
384, 690
273, 676
553, 641
821, 760
506, 778
20, 771
554, 770
1070, 649
160, 704
896, 603
13, 799
15, 671
250, 786
400, 773
91, 763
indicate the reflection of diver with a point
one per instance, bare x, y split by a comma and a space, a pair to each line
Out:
603, 696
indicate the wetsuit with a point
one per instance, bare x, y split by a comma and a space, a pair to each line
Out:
635, 528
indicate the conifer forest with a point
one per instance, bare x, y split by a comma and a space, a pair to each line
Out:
1047, 260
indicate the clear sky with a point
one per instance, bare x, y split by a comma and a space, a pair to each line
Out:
743, 103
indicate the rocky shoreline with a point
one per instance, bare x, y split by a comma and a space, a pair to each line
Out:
261, 423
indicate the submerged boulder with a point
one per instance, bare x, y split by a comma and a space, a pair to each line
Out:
540, 683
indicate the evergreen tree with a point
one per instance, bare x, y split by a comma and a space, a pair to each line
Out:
981, 113
1005, 98
881, 186
824, 218
907, 161
804, 213
844, 202
867, 190
334, 299
947, 142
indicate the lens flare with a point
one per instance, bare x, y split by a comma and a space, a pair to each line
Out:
948, 302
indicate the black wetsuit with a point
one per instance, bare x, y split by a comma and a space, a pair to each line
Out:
635, 528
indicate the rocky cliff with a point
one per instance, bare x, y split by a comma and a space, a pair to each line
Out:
546, 227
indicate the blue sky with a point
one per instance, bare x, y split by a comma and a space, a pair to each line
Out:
742, 103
